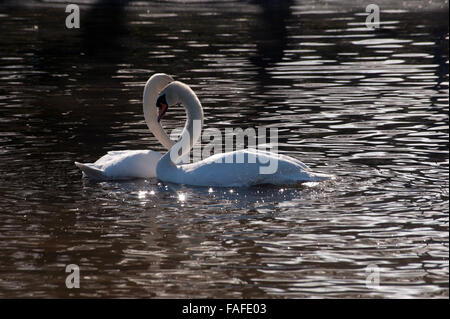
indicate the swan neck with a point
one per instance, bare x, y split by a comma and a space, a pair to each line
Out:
193, 126
151, 92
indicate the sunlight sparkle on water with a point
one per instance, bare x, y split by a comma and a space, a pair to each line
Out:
141, 194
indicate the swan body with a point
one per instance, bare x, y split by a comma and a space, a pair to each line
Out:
238, 168
116, 165
223, 170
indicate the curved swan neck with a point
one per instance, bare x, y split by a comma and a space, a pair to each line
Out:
181, 93
151, 92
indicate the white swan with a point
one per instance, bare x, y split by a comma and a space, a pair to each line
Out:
135, 163
221, 169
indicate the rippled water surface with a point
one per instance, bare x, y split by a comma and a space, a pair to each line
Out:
369, 106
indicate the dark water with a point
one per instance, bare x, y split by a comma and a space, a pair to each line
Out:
369, 106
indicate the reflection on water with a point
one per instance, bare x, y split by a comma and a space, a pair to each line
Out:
369, 106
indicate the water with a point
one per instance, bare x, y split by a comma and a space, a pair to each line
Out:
369, 106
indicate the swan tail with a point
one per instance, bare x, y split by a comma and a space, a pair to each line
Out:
318, 177
91, 172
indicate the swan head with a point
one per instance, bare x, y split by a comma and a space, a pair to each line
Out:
160, 80
170, 96
162, 105
178, 93
155, 84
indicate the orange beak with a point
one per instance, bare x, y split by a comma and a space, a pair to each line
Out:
162, 111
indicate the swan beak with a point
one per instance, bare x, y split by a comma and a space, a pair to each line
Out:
162, 111
162, 105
